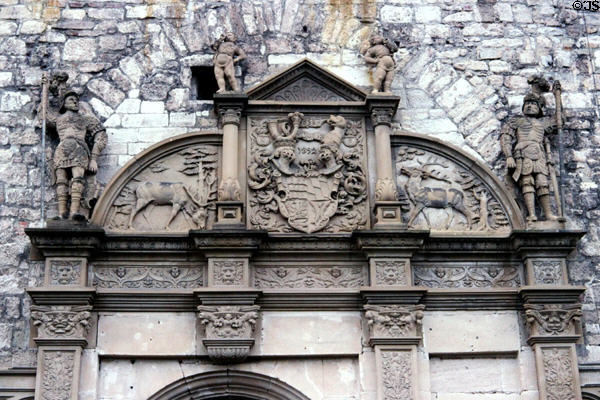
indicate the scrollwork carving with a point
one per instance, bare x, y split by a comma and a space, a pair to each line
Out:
307, 174
228, 322
397, 375
558, 374
457, 276
309, 277
552, 319
393, 321
148, 277
59, 322
57, 376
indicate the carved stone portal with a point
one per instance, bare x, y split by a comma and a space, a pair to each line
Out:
175, 193
229, 331
440, 195
307, 174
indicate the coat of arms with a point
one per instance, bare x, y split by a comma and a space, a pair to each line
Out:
305, 173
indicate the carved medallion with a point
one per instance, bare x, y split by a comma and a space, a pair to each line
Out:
133, 277
307, 174
558, 374
309, 277
466, 276
439, 194
175, 193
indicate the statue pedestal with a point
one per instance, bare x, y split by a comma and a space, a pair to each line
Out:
388, 215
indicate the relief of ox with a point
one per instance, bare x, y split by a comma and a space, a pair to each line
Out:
173, 194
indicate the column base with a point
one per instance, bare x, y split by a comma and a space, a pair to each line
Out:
388, 215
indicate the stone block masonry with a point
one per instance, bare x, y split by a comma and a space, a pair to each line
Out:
462, 69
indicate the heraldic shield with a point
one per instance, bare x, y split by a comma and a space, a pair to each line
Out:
307, 175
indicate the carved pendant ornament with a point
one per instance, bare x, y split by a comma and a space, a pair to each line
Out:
56, 322
175, 193
552, 319
393, 321
438, 194
307, 174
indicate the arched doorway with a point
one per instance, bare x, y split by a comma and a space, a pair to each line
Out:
228, 385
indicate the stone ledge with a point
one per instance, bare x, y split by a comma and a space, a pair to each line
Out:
47, 296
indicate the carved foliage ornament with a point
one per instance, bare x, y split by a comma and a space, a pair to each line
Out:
397, 375
467, 276
148, 277
558, 374
175, 193
307, 174
391, 272
57, 378
547, 272
228, 322
393, 321
438, 194
228, 273
309, 277
552, 319
58, 322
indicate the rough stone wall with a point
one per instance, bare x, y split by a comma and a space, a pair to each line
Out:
463, 68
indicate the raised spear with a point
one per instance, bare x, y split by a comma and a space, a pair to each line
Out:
557, 89
45, 84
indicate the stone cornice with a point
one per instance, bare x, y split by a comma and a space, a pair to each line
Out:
66, 240
67, 296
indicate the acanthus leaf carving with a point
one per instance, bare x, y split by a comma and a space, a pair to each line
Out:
228, 322
393, 321
397, 374
307, 174
466, 276
309, 277
558, 374
57, 376
148, 277
60, 322
552, 319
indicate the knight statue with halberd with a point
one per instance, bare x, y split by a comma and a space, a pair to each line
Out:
524, 141
75, 162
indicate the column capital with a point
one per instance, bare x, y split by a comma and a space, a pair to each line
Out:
230, 106
382, 108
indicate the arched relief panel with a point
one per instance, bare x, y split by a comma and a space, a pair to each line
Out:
236, 384
443, 189
171, 186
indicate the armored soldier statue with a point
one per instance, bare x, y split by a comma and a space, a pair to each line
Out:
81, 140
380, 54
227, 53
528, 158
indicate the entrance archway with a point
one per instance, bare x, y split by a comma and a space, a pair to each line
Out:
228, 385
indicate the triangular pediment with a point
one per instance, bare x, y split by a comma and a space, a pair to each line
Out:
304, 82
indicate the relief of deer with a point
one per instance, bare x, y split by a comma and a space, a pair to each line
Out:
442, 197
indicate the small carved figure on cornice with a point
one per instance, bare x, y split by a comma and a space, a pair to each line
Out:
529, 159
393, 321
552, 319
61, 321
75, 163
380, 53
228, 322
227, 54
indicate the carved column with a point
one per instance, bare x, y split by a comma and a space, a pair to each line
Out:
229, 108
387, 209
553, 329
394, 333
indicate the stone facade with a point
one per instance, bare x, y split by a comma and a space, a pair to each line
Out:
462, 71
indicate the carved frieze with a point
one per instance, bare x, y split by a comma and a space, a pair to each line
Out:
307, 173
397, 374
137, 277
393, 321
309, 277
547, 272
61, 322
227, 272
466, 276
559, 374
175, 193
441, 195
57, 376
66, 272
552, 319
391, 272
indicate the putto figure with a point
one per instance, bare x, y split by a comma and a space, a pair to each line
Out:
81, 140
527, 150
381, 55
227, 53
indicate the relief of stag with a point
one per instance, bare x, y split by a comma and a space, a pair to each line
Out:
443, 195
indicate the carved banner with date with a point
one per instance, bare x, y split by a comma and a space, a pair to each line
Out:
307, 174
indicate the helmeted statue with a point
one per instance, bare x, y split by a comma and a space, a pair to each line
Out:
81, 140
227, 53
525, 145
381, 55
